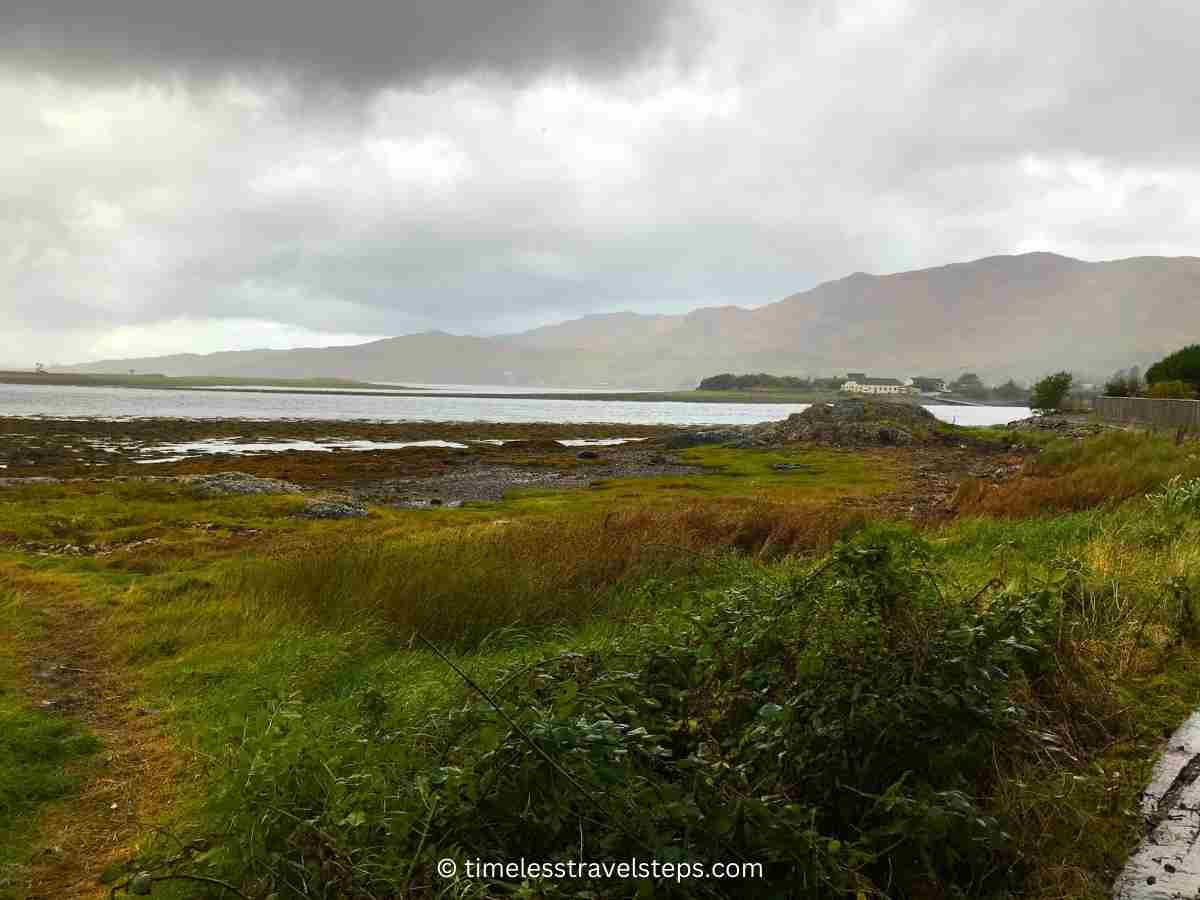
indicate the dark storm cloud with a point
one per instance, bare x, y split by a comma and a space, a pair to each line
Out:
355, 42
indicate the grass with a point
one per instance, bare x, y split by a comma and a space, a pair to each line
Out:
1069, 475
122, 512
35, 747
732, 665
798, 476
1071, 762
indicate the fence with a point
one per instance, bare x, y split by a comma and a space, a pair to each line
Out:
1143, 411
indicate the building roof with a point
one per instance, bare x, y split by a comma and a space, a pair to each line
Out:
882, 381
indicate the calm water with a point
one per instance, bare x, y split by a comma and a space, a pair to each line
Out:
116, 403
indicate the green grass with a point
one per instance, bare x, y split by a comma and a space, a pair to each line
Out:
730, 665
804, 476
35, 747
122, 512
333, 714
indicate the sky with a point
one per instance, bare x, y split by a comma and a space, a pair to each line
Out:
182, 176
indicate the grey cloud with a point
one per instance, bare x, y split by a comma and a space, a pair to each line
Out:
353, 42
798, 151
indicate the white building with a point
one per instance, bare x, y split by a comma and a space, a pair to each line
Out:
860, 384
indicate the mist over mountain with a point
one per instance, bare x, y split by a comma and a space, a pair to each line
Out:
1002, 316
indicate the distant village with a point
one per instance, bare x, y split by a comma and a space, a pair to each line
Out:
968, 385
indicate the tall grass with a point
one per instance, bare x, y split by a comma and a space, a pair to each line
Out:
465, 584
1076, 475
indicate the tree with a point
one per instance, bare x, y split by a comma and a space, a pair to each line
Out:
928, 385
970, 385
1124, 383
1010, 390
1182, 365
727, 381
1051, 391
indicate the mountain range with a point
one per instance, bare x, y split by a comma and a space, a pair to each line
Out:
1002, 316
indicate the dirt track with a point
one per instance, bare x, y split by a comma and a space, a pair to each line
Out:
126, 785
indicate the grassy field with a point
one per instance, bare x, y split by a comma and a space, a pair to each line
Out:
747, 665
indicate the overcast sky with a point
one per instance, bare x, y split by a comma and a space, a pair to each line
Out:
178, 175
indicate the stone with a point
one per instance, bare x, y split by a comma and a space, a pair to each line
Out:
700, 438
333, 509
224, 484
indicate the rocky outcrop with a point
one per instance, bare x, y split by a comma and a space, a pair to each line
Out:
850, 423
333, 509
1061, 426
225, 484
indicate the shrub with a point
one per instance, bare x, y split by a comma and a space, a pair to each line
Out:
1177, 496
1171, 390
838, 726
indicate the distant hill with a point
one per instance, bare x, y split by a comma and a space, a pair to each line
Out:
1000, 316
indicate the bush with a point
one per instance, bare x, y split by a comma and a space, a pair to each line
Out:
837, 725
1171, 390
1177, 496
1051, 391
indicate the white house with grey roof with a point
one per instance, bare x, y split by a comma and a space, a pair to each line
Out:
859, 383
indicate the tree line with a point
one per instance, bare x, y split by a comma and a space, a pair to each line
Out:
1175, 377
727, 381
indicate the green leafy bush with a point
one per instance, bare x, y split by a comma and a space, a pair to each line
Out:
1171, 390
1051, 391
837, 726
1177, 496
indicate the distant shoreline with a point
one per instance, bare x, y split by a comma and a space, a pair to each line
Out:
328, 386
179, 382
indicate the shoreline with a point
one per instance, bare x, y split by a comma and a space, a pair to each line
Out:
337, 387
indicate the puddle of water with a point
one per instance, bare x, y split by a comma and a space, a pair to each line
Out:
242, 448
180, 451
598, 442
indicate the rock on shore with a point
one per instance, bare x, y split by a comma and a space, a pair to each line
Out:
851, 422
